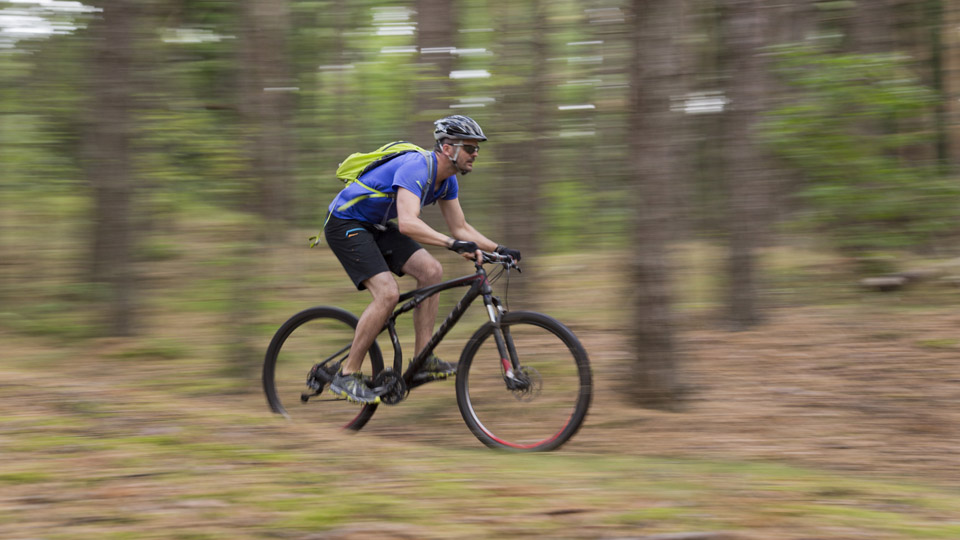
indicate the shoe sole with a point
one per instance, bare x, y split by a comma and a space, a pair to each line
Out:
424, 377
346, 395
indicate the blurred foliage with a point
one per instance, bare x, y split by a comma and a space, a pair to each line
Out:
858, 127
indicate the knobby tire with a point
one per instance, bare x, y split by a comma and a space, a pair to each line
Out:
525, 421
303, 340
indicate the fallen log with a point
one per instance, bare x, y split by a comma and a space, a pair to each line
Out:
884, 283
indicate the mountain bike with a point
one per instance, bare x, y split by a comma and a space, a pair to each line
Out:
523, 381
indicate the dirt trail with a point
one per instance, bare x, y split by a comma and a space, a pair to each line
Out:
838, 389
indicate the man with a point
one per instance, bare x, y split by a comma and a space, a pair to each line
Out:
370, 247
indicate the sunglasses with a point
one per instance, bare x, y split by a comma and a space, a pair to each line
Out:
468, 148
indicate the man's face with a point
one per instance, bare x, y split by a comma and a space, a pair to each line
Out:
469, 149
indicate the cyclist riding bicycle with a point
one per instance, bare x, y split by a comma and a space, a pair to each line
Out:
369, 246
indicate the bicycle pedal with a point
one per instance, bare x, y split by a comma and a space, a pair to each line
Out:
305, 396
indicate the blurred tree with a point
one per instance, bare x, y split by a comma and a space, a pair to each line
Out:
872, 26
792, 21
268, 104
523, 127
109, 155
656, 78
436, 39
746, 170
950, 97
267, 107
933, 11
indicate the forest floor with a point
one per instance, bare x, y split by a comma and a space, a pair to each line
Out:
832, 421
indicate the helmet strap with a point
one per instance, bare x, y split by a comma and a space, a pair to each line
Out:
457, 165
453, 160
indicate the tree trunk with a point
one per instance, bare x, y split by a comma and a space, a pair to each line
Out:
950, 65
108, 158
745, 164
436, 40
656, 77
872, 27
268, 104
791, 21
934, 13
523, 133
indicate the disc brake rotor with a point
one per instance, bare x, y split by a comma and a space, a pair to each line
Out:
532, 384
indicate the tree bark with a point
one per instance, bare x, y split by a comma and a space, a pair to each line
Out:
436, 40
872, 27
745, 164
268, 104
524, 130
792, 21
950, 65
656, 77
108, 158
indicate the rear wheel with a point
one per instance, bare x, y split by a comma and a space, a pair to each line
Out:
545, 401
304, 353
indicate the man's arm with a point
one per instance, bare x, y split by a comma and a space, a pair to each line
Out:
459, 228
408, 219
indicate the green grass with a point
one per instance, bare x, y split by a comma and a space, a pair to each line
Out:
939, 343
23, 477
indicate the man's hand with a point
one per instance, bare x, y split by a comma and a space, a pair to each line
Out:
512, 253
469, 250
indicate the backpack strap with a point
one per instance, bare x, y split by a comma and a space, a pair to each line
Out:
375, 193
431, 172
431, 175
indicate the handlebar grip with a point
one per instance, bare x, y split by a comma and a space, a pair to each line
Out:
496, 258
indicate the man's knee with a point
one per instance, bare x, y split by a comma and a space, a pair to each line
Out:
384, 289
425, 268
433, 271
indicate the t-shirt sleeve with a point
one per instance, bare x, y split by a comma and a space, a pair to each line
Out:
411, 175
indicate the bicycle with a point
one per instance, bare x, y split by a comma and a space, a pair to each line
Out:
523, 381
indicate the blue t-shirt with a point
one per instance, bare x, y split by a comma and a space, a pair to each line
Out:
408, 171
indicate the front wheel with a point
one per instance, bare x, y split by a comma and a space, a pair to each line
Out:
537, 407
304, 354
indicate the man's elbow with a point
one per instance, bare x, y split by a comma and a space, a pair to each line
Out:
404, 225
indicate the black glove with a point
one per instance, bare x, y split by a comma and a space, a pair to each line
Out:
461, 246
512, 253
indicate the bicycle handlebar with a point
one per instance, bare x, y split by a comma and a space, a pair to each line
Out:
496, 258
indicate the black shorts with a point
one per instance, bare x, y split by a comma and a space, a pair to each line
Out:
365, 251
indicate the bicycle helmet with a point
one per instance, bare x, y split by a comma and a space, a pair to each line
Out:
458, 127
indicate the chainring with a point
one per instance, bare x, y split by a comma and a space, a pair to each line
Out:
390, 387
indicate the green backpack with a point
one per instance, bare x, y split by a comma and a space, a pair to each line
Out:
359, 163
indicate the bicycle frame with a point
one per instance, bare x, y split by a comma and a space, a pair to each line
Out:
479, 286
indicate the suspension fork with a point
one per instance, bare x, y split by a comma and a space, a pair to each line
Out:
508, 352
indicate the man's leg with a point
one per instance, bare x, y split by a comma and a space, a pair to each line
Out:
385, 293
427, 271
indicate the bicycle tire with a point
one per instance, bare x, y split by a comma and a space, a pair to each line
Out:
300, 343
525, 421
